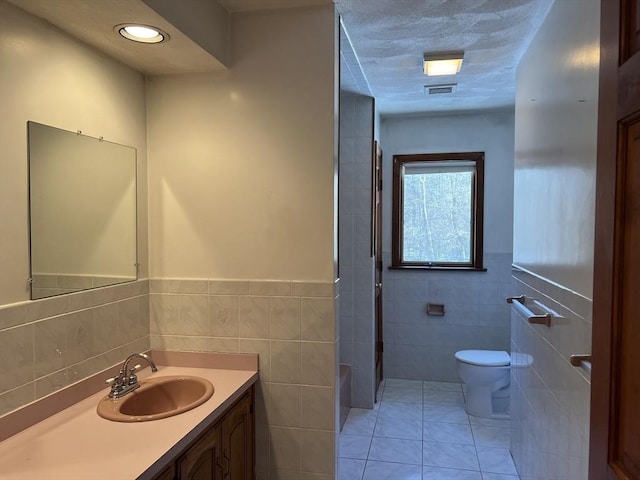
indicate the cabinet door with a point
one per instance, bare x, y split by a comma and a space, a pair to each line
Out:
168, 473
238, 440
201, 462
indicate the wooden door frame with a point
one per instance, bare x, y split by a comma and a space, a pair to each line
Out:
376, 251
604, 247
615, 106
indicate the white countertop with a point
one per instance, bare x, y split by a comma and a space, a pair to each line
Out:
76, 443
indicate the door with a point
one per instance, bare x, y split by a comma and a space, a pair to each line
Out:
615, 423
377, 253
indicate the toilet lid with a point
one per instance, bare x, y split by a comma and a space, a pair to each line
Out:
487, 358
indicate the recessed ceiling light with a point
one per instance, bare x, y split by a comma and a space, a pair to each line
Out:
448, 63
141, 33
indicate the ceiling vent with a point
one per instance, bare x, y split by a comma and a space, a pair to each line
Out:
439, 89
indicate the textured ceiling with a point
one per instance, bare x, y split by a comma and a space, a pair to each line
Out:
247, 5
391, 36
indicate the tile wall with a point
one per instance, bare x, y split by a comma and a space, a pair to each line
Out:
50, 343
550, 400
356, 264
291, 325
422, 347
48, 285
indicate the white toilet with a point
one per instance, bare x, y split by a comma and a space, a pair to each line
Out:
486, 374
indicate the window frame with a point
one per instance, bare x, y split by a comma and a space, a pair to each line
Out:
477, 207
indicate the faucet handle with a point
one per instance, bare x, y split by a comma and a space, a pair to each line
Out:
115, 383
135, 368
133, 379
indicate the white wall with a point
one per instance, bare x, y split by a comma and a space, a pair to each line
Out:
242, 170
242, 204
476, 316
53, 79
556, 131
555, 145
48, 77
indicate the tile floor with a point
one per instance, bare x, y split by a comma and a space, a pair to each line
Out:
420, 431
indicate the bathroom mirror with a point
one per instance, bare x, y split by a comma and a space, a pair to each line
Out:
82, 204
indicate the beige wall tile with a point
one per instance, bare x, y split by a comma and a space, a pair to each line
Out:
85, 299
318, 363
128, 320
263, 450
223, 344
285, 318
286, 361
223, 315
263, 401
253, 317
270, 288
313, 289
164, 314
105, 327
263, 349
50, 346
195, 344
194, 315
16, 357
17, 397
13, 315
229, 287
88, 367
316, 476
159, 285
284, 406
50, 383
188, 286
317, 451
318, 319
318, 408
158, 342
285, 448
79, 332
47, 307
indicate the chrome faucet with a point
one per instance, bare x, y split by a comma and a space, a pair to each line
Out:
126, 381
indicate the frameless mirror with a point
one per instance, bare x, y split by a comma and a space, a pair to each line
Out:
82, 203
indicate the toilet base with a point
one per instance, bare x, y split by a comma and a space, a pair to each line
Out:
480, 402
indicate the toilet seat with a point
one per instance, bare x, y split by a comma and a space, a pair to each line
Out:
484, 358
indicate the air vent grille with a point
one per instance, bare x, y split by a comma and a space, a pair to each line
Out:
440, 89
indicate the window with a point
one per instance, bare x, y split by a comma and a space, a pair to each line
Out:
437, 211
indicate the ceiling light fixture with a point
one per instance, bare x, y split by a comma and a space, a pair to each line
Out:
448, 63
141, 33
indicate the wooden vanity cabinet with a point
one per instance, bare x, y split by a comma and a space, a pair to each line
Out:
238, 440
225, 451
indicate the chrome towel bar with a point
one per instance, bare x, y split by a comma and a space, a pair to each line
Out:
582, 361
539, 319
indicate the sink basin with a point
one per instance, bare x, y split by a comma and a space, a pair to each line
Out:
156, 398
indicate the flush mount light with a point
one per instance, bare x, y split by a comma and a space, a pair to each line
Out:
447, 63
141, 33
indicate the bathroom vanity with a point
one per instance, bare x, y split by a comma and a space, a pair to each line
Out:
223, 451
212, 441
